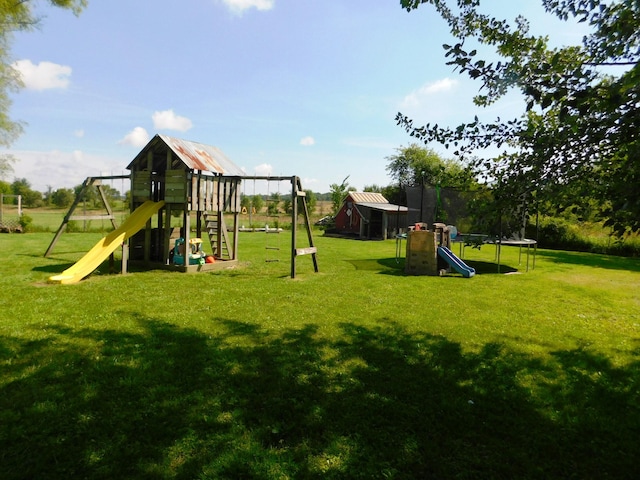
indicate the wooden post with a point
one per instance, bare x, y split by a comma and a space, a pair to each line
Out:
166, 241
89, 181
236, 216
294, 217
312, 249
125, 257
186, 220
385, 224
106, 205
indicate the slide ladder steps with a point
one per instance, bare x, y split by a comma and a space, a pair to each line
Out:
218, 236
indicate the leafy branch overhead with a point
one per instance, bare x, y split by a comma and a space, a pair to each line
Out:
580, 125
16, 16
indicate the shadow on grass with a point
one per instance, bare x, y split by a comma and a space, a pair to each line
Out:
53, 269
391, 266
591, 260
491, 268
377, 402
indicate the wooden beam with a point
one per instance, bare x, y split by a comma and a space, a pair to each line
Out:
92, 217
306, 251
294, 222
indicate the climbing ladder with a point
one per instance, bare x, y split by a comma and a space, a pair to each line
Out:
218, 236
273, 210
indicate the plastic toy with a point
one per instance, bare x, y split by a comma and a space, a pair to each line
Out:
196, 255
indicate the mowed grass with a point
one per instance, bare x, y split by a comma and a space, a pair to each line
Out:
358, 371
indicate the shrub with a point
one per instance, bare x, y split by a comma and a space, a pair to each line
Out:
25, 222
563, 234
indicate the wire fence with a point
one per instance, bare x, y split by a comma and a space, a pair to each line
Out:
10, 213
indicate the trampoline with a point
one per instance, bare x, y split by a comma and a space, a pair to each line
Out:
524, 242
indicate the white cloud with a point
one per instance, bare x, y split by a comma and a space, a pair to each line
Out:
307, 141
239, 6
138, 137
419, 97
65, 169
307, 182
263, 170
79, 133
44, 75
168, 120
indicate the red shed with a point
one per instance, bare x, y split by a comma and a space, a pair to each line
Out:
370, 215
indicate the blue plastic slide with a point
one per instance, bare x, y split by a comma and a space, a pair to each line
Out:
457, 264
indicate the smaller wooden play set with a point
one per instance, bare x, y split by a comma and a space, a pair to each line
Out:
429, 251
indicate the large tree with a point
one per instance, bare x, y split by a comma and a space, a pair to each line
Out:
17, 15
578, 137
417, 165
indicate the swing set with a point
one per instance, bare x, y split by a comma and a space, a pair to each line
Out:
298, 206
90, 182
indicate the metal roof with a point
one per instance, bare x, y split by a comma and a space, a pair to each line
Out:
367, 197
385, 207
196, 156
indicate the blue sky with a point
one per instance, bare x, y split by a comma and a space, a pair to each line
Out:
283, 87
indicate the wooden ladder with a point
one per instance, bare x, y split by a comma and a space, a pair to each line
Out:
218, 236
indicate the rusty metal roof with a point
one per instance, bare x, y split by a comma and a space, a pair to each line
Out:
196, 156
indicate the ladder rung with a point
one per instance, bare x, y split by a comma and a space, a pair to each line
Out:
269, 261
273, 248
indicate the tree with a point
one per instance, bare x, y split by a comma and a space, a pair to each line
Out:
273, 204
5, 187
373, 188
287, 205
245, 202
578, 134
310, 198
88, 195
15, 16
112, 194
338, 193
30, 198
62, 197
6, 167
257, 203
312, 201
416, 165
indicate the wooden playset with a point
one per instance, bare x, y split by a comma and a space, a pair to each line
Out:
188, 183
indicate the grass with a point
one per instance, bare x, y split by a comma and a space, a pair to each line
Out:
355, 372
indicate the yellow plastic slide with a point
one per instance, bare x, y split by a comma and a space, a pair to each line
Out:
99, 253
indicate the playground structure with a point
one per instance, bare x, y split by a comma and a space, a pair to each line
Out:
105, 247
429, 252
472, 211
174, 181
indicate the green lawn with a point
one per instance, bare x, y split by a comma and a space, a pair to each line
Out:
355, 372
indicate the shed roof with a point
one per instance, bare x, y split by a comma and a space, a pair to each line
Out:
196, 156
367, 197
383, 207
